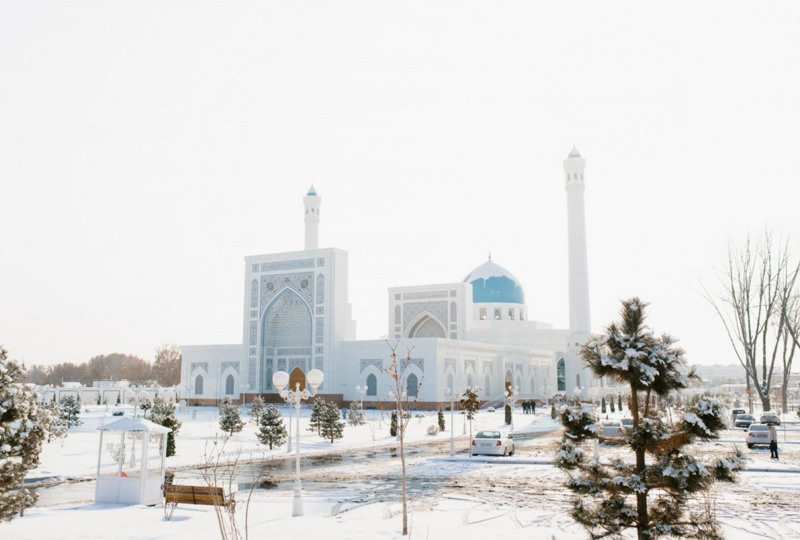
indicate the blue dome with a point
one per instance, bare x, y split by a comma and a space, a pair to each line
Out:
491, 283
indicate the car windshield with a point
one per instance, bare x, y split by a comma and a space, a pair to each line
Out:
627, 421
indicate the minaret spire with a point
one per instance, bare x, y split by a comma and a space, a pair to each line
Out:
579, 319
312, 202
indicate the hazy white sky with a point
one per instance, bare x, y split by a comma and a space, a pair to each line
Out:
147, 147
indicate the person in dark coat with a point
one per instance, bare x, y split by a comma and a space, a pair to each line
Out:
773, 442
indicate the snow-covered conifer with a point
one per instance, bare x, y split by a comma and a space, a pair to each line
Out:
21, 437
331, 426
256, 409
230, 420
163, 414
272, 430
658, 494
70, 411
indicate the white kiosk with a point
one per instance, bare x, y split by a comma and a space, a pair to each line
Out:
130, 468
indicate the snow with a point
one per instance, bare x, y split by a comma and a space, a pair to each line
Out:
467, 498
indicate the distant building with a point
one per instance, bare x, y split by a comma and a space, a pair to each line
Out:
472, 332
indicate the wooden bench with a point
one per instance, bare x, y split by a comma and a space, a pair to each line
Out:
207, 495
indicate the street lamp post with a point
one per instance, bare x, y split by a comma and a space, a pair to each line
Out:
288, 401
449, 394
361, 390
280, 379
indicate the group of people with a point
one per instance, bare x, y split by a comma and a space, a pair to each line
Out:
529, 407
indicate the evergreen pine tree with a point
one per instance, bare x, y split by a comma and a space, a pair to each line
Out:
331, 426
272, 430
70, 409
658, 494
470, 404
163, 414
230, 421
257, 409
316, 414
619, 402
21, 437
57, 425
356, 415
393, 425
603, 405
440, 418
507, 412
611, 404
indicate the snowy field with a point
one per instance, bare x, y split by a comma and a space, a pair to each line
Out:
461, 497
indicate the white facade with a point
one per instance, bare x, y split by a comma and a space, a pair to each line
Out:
474, 332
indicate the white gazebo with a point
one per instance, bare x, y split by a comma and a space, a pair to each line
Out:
130, 468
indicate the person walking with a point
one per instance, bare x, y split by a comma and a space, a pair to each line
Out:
773, 442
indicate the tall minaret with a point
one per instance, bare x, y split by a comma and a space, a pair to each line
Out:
312, 203
579, 320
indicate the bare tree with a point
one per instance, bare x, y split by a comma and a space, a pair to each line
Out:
167, 365
400, 395
757, 308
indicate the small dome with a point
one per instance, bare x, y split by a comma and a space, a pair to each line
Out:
574, 153
491, 283
311, 191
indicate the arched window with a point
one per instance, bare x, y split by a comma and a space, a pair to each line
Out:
450, 384
372, 385
229, 385
198, 385
578, 381
412, 385
561, 375
487, 385
469, 380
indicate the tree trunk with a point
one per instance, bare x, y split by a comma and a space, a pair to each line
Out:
641, 498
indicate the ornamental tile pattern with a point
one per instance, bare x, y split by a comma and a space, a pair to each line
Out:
254, 293
199, 365
253, 332
425, 295
251, 373
320, 289
297, 363
365, 363
287, 265
319, 330
232, 365
437, 309
299, 282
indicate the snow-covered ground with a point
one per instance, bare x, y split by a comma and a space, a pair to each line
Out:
466, 498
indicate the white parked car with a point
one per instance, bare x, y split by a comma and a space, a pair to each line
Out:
757, 434
492, 443
612, 428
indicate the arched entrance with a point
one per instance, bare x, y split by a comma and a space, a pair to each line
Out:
509, 383
297, 376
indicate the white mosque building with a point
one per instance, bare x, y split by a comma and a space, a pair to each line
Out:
474, 332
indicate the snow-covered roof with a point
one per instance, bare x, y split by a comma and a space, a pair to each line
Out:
134, 424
